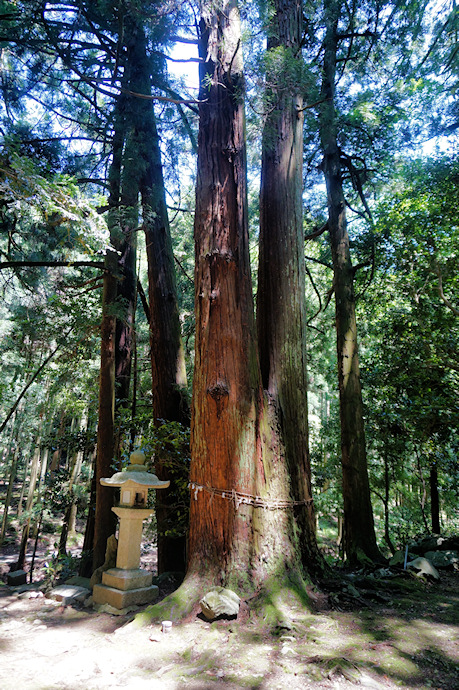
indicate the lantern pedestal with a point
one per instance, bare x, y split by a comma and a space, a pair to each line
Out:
127, 584
122, 588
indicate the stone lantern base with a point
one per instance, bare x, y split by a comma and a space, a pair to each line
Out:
122, 588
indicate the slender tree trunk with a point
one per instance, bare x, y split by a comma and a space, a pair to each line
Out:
117, 333
29, 505
386, 504
26, 453
56, 458
360, 539
434, 499
9, 494
68, 524
136, 167
281, 321
104, 518
422, 491
167, 353
85, 569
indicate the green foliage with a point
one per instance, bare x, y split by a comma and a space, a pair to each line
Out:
54, 210
169, 445
409, 361
59, 568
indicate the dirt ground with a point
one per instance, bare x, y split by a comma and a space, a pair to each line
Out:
405, 636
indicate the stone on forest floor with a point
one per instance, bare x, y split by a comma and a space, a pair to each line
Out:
79, 581
29, 587
443, 559
30, 594
220, 602
69, 594
399, 557
424, 568
107, 608
432, 543
16, 578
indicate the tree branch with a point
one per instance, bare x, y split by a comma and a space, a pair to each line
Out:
143, 299
317, 233
442, 294
51, 264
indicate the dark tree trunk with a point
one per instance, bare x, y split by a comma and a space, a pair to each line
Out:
104, 518
281, 319
136, 167
434, 499
167, 354
360, 539
386, 503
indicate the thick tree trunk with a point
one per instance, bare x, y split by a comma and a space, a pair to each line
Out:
360, 540
226, 394
281, 319
240, 531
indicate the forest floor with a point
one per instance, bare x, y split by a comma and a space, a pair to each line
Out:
405, 636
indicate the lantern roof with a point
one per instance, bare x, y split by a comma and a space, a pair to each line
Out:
135, 473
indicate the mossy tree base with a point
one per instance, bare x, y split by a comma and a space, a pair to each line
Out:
274, 604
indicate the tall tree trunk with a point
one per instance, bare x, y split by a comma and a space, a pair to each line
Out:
56, 457
68, 524
227, 392
360, 539
386, 503
9, 494
104, 518
281, 321
86, 569
434, 499
117, 333
23, 483
136, 166
167, 353
240, 530
101, 520
29, 505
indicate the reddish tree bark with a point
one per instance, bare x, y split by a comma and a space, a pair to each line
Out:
240, 526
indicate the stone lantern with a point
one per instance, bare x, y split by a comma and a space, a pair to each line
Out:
128, 584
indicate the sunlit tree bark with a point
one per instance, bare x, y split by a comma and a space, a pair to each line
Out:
241, 530
281, 321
